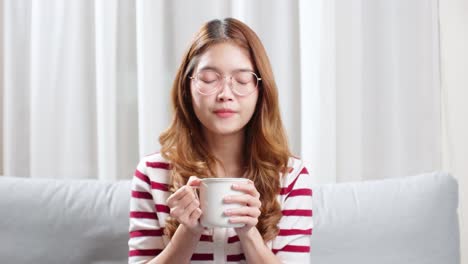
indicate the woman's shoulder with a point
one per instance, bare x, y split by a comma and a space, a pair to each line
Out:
296, 166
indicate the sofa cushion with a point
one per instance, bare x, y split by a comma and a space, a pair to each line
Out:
400, 220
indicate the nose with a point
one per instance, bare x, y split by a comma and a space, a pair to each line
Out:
225, 93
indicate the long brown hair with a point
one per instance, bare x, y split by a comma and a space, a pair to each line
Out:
267, 154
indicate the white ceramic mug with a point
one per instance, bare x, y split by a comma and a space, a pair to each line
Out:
212, 193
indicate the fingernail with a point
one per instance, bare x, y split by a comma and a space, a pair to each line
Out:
235, 185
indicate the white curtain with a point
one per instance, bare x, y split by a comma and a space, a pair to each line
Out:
87, 82
371, 88
70, 89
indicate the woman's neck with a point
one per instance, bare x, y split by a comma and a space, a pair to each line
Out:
228, 149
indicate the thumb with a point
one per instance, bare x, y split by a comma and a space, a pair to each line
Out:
194, 181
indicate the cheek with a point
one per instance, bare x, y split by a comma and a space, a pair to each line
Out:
201, 104
251, 104
196, 99
254, 101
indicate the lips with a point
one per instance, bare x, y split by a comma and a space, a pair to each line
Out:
224, 112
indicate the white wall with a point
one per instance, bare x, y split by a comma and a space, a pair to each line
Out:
454, 69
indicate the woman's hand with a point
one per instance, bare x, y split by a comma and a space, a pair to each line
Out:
185, 207
249, 212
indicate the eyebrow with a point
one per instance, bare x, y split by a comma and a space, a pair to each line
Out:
218, 70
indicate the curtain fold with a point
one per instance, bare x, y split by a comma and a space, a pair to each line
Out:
60, 90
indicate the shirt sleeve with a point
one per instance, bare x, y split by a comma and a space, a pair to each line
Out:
146, 235
292, 245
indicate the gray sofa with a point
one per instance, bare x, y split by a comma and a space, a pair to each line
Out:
402, 220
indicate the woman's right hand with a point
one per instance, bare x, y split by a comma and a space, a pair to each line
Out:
185, 206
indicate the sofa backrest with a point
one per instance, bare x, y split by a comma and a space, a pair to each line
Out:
404, 220
401, 220
63, 221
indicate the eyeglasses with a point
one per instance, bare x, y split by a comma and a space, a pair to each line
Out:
208, 82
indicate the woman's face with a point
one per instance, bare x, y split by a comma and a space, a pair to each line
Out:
223, 111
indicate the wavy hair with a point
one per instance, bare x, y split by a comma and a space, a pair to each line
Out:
267, 154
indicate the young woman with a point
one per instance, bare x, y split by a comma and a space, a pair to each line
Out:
226, 124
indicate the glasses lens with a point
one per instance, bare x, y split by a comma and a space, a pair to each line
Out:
207, 81
244, 82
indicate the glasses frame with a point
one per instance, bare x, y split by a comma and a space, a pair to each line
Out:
224, 78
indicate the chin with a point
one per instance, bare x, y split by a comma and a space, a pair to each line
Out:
226, 131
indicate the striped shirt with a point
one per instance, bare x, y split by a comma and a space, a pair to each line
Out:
148, 212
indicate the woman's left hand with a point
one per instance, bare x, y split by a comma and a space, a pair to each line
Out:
249, 212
